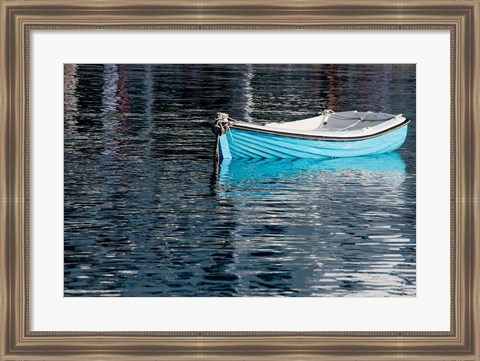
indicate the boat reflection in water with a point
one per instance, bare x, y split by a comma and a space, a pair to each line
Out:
277, 173
343, 226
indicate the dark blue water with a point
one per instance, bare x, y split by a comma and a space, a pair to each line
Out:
148, 214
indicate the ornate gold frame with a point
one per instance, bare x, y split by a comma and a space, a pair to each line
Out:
19, 17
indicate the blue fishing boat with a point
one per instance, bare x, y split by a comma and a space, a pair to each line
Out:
329, 135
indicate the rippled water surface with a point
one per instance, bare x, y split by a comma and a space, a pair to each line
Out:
148, 214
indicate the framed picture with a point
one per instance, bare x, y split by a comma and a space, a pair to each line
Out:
239, 181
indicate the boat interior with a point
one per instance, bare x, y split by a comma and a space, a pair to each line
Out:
338, 122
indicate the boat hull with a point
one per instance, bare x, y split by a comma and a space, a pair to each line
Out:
248, 144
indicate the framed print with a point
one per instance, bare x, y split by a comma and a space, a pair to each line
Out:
239, 180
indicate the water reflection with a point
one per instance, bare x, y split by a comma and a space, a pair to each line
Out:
69, 88
147, 215
388, 167
242, 92
346, 214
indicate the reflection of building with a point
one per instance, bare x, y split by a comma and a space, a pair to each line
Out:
241, 92
109, 108
124, 102
109, 93
148, 129
115, 107
248, 75
360, 87
374, 87
331, 84
70, 87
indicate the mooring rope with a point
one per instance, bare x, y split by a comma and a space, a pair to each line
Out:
222, 124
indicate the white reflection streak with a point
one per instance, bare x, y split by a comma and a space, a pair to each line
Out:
109, 106
110, 84
249, 74
148, 82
